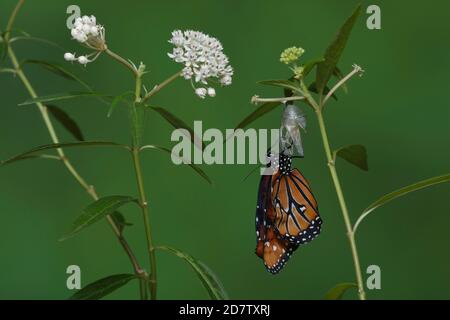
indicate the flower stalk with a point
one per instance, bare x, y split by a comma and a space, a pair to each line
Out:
61, 155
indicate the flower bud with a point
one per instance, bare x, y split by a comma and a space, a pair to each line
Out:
201, 92
78, 24
83, 60
69, 56
86, 28
211, 92
86, 19
94, 31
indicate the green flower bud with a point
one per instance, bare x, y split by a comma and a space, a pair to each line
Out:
291, 55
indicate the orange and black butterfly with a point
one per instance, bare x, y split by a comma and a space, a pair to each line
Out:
286, 215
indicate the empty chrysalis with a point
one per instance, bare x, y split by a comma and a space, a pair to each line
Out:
292, 122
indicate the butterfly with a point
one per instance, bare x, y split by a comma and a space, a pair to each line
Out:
286, 214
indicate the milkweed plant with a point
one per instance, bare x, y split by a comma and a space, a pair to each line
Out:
316, 91
204, 65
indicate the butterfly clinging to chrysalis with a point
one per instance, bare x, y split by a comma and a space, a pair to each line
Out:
287, 213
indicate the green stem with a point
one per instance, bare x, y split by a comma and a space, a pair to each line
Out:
146, 215
160, 86
12, 19
123, 61
348, 225
331, 165
48, 123
136, 123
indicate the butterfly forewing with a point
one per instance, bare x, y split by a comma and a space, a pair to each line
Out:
296, 212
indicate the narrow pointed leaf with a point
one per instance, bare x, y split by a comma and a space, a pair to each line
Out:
258, 113
117, 100
334, 51
38, 150
287, 84
197, 169
101, 288
62, 96
96, 211
8, 70
27, 37
313, 88
209, 280
66, 121
355, 154
58, 70
3, 48
338, 291
178, 124
120, 220
399, 193
309, 66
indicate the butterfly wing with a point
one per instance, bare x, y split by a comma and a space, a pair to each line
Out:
276, 251
270, 247
296, 212
262, 206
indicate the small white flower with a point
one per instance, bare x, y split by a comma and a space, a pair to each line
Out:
226, 80
86, 20
201, 92
83, 60
78, 24
187, 73
69, 56
211, 92
89, 33
94, 31
203, 58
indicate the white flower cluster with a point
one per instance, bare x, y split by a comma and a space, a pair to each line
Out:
86, 31
85, 27
203, 59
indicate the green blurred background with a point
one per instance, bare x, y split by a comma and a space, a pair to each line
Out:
399, 110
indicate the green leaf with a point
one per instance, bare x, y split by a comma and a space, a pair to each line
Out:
197, 169
8, 70
400, 192
309, 66
3, 47
258, 113
66, 121
117, 100
62, 96
313, 88
287, 84
36, 39
101, 288
58, 70
338, 291
339, 75
120, 220
334, 51
209, 280
355, 154
96, 211
37, 150
178, 124
38, 156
